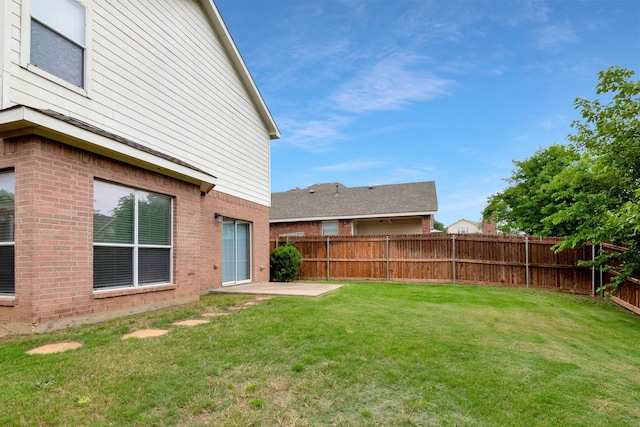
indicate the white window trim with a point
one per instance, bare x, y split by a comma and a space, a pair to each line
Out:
136, 246
11, 243
25, 50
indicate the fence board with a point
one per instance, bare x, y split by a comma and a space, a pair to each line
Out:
491, 260
515, 261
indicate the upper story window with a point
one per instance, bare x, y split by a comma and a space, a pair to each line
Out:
463, 230
58, 38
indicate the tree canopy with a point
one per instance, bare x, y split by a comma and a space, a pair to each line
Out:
587, 191
437, 225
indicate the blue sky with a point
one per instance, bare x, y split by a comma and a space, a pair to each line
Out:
370, 92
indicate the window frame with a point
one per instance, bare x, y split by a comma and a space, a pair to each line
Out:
226, 263
332, 223
136, 245
25, 50
11, 243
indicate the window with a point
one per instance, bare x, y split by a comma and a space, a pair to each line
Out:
132, 244
236, 251
58, 38
7, 221
330, 228
463, 230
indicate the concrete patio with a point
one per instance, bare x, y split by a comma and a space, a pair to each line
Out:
279, 288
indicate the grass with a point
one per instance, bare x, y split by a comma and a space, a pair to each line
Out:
370, 354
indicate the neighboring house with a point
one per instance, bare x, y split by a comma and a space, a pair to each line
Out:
134, 162
332, 209
464, 226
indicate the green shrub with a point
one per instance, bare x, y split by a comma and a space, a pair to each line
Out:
285, 263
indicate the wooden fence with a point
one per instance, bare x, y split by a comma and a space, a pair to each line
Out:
628, 294
516, 261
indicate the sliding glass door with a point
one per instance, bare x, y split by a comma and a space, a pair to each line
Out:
236, 252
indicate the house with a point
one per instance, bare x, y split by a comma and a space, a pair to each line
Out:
464, 226
333, 209
134, 160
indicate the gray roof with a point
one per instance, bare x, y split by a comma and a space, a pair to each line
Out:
334, 200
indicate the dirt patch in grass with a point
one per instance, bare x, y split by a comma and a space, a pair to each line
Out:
192, 322
216, 314
58, 347
145, 333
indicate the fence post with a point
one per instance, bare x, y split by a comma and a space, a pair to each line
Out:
526, 254
593, 271
387, 258
601, 275
276, 243
328, 263
453, 256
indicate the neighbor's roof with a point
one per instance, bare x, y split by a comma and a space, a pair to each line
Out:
323, 202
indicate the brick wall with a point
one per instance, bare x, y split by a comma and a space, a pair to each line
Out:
54, 237
238, 209
427, 224
311, 228
314, 228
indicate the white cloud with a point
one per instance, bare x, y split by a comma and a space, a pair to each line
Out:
554, 37
391, 84
315, 135
554, 122
351, 165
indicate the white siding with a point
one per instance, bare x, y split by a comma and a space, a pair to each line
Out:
159, 75
472, 227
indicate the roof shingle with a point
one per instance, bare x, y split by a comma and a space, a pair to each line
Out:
334, 200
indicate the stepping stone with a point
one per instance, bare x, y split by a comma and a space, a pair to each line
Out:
145, 333
55, 348
193, 322
216, 314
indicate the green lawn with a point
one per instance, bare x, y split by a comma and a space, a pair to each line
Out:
368, 354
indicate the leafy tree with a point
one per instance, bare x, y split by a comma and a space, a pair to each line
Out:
588, 191
437, 225
523, 205
607, 207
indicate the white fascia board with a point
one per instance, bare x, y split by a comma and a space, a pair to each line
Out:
240, 66
367, 216
19, 121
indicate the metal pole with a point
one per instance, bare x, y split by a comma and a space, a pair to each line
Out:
388, 275
593, 271
526, 252
601, 276
276, 243
453, 256
328, 263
